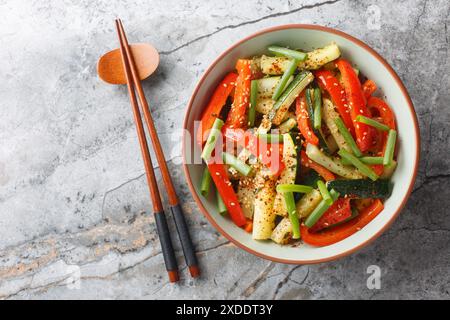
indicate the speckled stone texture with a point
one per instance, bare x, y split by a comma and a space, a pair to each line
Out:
73, 198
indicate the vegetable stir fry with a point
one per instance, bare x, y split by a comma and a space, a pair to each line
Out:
298, 146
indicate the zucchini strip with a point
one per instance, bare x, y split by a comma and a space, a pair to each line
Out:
287, 125
332, 164
283, 231
281, 107
329, 116
288, 174
263, 215
362, 188
315, 59
365, 170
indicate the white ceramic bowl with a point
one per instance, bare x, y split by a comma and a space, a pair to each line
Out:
374, 67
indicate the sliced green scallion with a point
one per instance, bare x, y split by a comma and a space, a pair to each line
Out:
366, 160
294, 54
292, 213
220, 204
326, 196
284, 79
298, 188
206, 183
271, 137
320, 210
317, 109
371, 122
252, 109
347, 137
365, 170
213, 136
390, 147
236, 163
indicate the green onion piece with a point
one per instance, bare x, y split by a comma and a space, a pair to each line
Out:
372, 160
294, 54
324, 192
206, 183
390, 147
236, 163
292, 212
299, 188
317, 108
371, 122
347, 137
214, 135
271, 137
220, 204
252, 109
284, 79
366, 160
320, 210
309, 95
365, 170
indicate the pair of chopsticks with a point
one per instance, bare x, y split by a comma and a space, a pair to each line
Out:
133, 82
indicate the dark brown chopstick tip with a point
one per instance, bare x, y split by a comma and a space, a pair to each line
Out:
173, 276
194, 271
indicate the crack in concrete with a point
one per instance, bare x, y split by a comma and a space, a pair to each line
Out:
258, 281
125, 183
285, 280
426, 229
234, 26
430, 179
117, 188
227, 243
105, 277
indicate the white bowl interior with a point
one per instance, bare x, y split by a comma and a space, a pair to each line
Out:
370, 66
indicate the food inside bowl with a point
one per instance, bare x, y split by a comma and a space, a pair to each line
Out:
297, 147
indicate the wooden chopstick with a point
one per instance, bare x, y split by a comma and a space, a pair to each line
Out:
181, 225
158, 210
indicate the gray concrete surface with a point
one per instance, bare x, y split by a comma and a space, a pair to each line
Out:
73, 199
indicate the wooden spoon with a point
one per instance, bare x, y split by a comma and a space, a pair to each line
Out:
110, 66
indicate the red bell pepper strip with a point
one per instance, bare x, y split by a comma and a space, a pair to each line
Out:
377, 106
328, 82
369, 87
322, 171
345, 230
237, 117
226, 191
259, 148
249, 226
364, 133
339, 211
301, 112
377, 168
380, 109
215, 105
